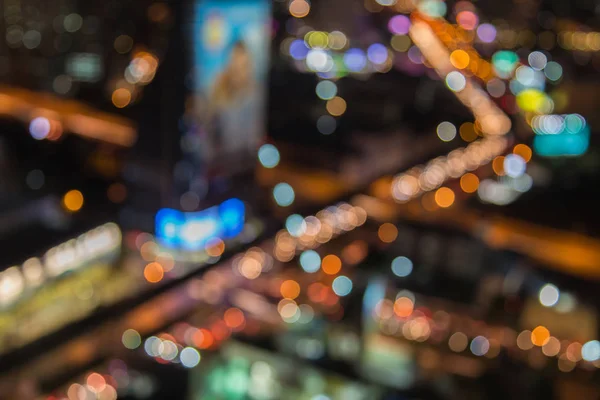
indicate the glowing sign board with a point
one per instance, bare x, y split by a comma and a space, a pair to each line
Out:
560, 135
192, 230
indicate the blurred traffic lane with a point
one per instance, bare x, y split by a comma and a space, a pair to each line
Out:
71, 115
566, 251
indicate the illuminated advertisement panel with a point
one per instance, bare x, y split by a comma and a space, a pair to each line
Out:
192, 230
560, 135
230, 59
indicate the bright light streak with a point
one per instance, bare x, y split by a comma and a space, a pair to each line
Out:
493, 120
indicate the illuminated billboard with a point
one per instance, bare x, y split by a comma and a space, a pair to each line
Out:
225, 118
192, 230
560, 135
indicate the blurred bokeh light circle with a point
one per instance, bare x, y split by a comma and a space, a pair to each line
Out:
342, 285
402, 266
480, 346
486, 33
326, 90
446, 131
295, 225
591, 351
399, 25
456, 81
310, 261
355, 60
39, 128
189, 357
283, 194
268, 155
549, 295
326, 124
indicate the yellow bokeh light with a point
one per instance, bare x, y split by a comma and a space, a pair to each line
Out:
73, 200
469, 182
535, 100
121, 98
336, 106
444, 197
460, 59
523, 151
317, 40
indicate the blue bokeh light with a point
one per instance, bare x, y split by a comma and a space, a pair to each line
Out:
283, 194
355, 60
342, 285
310, 261
268, 155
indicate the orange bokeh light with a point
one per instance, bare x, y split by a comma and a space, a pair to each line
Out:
387, 232
203, 338
96, 381
444, 197
498, 165
234, 318
73, 200
469, 182
290, 289
540, 336
121, 98
331, 264
215, 247
460, 59
467, 132
299, 8
153, 272
523, 151
336, 106
403, 307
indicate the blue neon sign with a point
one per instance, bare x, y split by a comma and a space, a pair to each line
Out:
192, 230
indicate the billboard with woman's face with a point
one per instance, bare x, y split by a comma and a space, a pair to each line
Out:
226, 111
